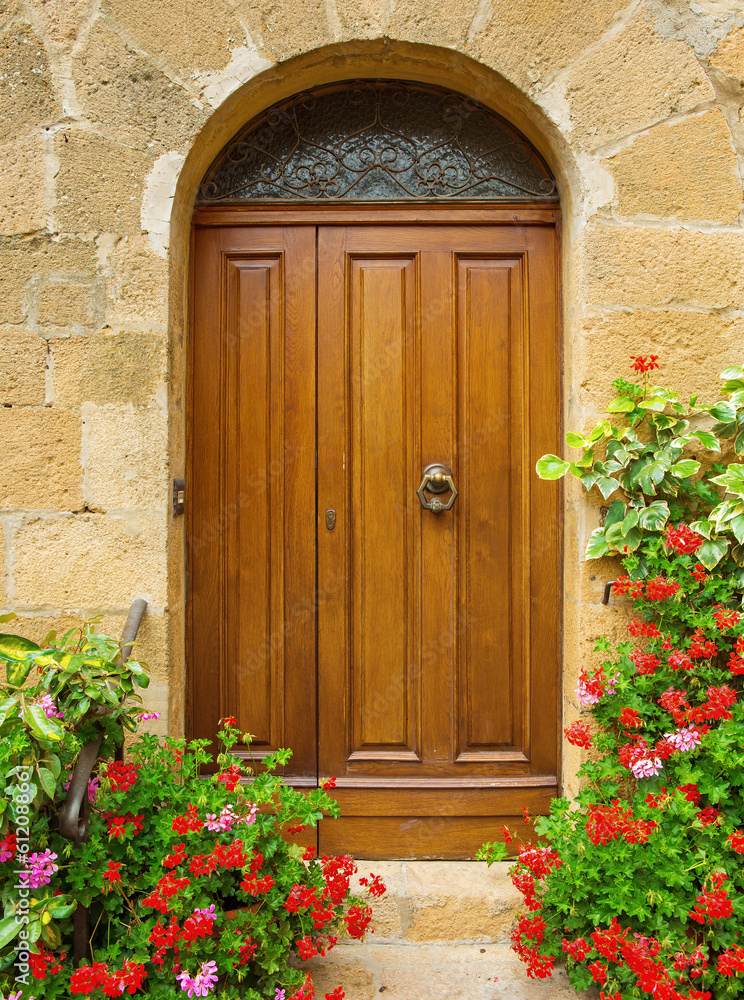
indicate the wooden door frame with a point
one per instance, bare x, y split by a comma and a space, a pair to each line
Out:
505, 214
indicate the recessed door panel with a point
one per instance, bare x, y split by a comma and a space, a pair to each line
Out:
384, 692
492, 657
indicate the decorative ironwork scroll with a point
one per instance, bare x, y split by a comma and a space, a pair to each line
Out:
375, 140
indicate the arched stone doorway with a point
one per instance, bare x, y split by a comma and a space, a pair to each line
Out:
371, 295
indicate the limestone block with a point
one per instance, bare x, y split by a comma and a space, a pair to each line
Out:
61, 19
137, 283
23, 358
686, 171
90, 561
293, 26
152, 643
344, 966
693, 349
435, 22
530, 42
595, 621
636, 266
99, 184
459, 901
108, 367
631, 81
126, 459
26, 95
189, 36
26, 262
22, 191
38, 627
461, 972
730, 55
129, 96
65, 303
40, 459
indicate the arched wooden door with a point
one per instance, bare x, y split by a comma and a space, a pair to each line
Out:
411, 653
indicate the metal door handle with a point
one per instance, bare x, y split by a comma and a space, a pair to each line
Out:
437, 478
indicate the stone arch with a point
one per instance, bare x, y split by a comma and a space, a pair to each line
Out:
375, 59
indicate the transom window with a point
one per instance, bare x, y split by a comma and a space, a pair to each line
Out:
378, 140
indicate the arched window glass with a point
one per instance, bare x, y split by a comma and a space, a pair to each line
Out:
376, 140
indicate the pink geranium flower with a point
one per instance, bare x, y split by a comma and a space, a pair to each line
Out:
202, 983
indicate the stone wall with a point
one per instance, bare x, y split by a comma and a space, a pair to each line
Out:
113, 109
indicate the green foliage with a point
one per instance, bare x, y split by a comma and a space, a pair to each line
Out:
170, 849
638, 884
642, 463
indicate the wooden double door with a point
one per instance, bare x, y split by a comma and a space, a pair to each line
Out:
412, 654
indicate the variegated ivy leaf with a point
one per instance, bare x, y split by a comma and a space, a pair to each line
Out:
712, 551
551, 467
597, 544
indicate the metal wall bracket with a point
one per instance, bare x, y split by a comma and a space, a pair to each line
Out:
179, 496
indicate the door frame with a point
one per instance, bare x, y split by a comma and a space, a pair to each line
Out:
389, 213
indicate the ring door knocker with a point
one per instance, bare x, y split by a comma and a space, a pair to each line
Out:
436, 479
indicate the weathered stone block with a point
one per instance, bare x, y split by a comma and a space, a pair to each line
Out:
108, 367
61, 19
99, 184
729, 57
344, 966
126, 453
190, 36
26, 262
128, 95
459, 901
686, 170
531, 42
285, 29
693, 349
22, 207
40, 459
137, 283
152, 644
23, 358
631, 81
90, 561
26, 94
634, 266
435, 22
65, 303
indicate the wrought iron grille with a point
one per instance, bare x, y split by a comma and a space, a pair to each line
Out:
374, 140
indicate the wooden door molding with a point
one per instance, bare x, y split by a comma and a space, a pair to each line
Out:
251, 513
425, 315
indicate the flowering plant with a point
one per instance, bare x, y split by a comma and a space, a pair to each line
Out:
190, 881
640, 884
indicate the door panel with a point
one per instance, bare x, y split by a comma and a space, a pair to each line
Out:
252, 512
491, 597
451, 590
